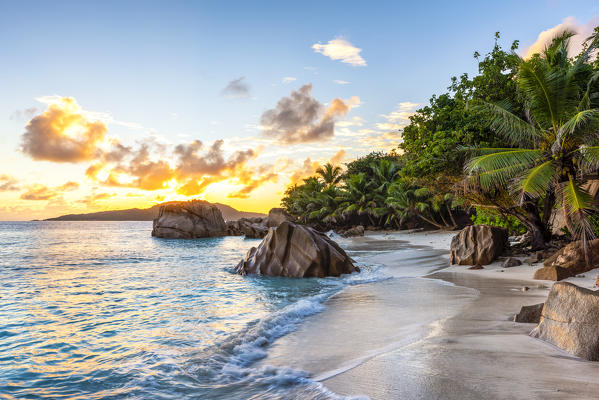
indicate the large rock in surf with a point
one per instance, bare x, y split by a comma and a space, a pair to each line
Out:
276, 216
296, 251
570, 320
188, 220
478, 244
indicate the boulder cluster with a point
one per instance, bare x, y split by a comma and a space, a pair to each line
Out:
287, 250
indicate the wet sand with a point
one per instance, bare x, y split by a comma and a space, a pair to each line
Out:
445, 336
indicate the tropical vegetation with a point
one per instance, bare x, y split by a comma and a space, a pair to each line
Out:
513, 146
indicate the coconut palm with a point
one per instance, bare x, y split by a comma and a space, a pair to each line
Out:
407, 200
330, 174
356, 197
556, 146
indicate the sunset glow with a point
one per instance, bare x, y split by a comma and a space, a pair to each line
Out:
239, 135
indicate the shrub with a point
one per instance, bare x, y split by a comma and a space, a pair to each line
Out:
485, 216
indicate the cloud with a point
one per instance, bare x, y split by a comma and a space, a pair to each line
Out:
42, 192
354, 121
25, 114
339, 157
237, 89
92, 199
307, 169
341, 49
300, 118
254, 179
398, 118
289, 79
583, 31
340, 82
143, 167
63, 134
8, 184
104, 117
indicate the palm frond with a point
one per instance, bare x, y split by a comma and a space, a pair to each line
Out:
510, 126
538, 180
499, 177
577, 203
575, 198
581, 122
502, 159
589, 156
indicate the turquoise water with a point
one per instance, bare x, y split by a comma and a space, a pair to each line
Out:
101, 310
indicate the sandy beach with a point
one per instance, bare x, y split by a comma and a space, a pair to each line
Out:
455, 341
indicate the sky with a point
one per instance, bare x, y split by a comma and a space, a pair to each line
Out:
120, 104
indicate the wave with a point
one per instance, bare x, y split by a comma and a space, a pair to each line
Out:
229, 368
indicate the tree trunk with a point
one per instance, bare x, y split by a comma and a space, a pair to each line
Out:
548, 204
430, 221
443, 219
538, 230
451, 215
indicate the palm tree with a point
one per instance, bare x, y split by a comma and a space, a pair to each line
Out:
556, 146
384, 173
356, 197
330, 174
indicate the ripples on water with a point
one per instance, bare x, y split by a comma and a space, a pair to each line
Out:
100, 310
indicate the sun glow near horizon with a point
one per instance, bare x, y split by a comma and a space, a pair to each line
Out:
91, 140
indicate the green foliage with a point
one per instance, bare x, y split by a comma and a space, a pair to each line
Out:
436, 133
519, 138
488, 217
556, 139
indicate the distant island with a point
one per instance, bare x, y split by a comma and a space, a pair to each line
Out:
148, 214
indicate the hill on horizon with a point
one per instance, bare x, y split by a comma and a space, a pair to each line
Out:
148, 214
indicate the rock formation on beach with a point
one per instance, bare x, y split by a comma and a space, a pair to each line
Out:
529, 314
257, 227
296, 251
569, 261
188, 220
570, 320
357, 230
478, 244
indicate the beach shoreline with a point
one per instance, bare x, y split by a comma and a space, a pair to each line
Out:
475, 351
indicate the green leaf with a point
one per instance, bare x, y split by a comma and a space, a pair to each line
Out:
502, 159
575, 198
588, 119
508, 125
590, 155
537, 180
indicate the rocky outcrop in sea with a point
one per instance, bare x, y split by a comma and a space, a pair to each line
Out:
296, 251
189, 220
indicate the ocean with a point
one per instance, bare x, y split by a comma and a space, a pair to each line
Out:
101, 310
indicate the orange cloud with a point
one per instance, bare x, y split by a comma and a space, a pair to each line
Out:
8, 183
63, 134
339, 157
41, 192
